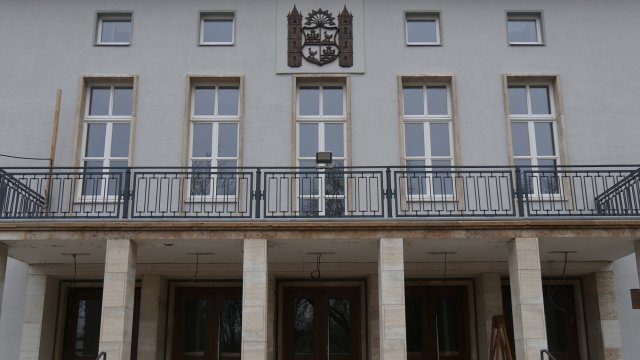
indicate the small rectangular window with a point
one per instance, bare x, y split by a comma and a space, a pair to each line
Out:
524, 28
216, 28
422, 28
114, 29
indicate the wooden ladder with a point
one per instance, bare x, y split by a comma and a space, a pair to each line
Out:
500, 348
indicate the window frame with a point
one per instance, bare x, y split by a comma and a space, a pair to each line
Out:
435, 16
216, 15
555, 118
112, 16
190, 119
109, 120
322, 120
526, 16
450, 119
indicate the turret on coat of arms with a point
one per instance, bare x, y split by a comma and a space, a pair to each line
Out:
320, 40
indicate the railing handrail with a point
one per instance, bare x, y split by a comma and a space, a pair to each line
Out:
545, 351
362, 191
102, 355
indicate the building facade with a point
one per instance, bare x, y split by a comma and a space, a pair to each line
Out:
337, 179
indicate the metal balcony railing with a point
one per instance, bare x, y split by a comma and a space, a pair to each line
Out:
323, 192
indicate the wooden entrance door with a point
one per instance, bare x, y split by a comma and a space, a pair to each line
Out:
321, 323
208, 323
437, 322
82, 326
560, 317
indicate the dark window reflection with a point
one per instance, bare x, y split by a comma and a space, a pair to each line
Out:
448, 325
195, 326
303, 327
339, 339
88, 327
230, 326
413, 315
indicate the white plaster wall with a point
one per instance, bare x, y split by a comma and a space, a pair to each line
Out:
627, 278
49, 45
12, 313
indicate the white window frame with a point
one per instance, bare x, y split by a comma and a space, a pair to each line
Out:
216, 120
109, 120
527, 16
426, 120
113, 17
321, 120
531, 119
218, 15
425, 16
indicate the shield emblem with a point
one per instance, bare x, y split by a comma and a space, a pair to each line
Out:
320, 38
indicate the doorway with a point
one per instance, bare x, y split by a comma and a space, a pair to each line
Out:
321, 323
207, 323
82, 326
437, 320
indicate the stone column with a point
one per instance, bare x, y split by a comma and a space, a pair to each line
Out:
601, 312
4, 251
393, 332
529, 328
39, 318
152, 318
254, 300
489, 304
117, 299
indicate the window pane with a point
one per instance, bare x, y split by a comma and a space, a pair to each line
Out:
120, 140
416, 178
448, 333
202, 140
226, 181
228, 140
440, 140
442, 180
518, 100
87, 334
99, 101
540, 100
95, 140
228, 100
526, 177
413, 318
422, 31
201, 177
413, 100
116, 31
332, 99
92, 178
414, 139
217, 31
122, 101
437, 100
308, 141
204, 102
116, 177
520, 139
334, 139
548, 177
195, 323
522, 31
309, 100
544, 139
230, 326
339, 335
303, 327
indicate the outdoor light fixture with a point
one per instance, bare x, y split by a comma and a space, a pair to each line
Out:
324, 157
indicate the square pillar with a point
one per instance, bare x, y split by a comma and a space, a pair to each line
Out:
117, 299
530, 334
489, 304
39, 317
393, 331
601, 312
254, 300
152, 318
4, 252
